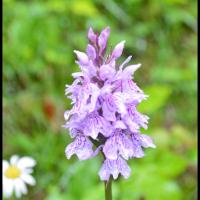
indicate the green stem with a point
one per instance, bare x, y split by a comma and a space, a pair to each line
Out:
108, 189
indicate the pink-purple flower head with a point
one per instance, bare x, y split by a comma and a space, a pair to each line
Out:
104, 116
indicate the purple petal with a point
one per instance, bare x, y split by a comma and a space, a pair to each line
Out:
95, 124
91, 102
118, 144
130, 86
114, 168
119, 124
91, 52
107, 88
92, 36
137, 149
125, 146
107, 128
110, 148
106, 72
117, 52
92, 125
119, 101
133, 126
129, 71
81, 146
109, 108
85, 98
124, 168
137, 145
73, 132
133, 97
124, 63
82, 57
134, 117
104, 172
118, 85
103, 37
146, 141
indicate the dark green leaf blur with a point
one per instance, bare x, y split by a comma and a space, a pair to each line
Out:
38, 42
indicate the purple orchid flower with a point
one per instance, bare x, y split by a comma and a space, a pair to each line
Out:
104, 108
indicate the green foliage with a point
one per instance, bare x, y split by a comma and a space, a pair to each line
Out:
158, 95
38, 42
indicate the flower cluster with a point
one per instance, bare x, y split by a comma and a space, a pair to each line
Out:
104, 116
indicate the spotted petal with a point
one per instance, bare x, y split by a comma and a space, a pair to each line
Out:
81, 146
114, 168
109, 108
118, 144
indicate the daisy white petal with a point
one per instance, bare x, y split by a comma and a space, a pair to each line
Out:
26, 162
8, 186
27, 171
20, 188
5, 165
14, 159
28, 179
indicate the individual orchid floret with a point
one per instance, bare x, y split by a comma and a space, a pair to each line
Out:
81, 146
114, 168
104, 117
118, 145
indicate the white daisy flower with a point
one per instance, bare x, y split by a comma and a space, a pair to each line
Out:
16, 174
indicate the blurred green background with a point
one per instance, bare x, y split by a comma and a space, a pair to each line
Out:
38, 42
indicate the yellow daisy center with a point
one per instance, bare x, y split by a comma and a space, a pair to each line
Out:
12, 172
